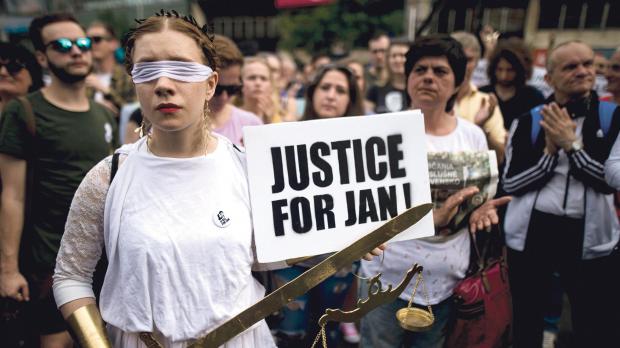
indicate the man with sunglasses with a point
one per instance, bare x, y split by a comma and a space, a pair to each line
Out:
45, 161
228, 119
109, 84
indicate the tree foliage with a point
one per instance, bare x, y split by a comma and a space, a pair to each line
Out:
352, 22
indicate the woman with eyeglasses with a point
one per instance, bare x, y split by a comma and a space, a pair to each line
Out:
20, 73
332, 93
391, 96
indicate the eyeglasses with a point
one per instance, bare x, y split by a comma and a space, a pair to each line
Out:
98, 39
378, 50
12, 66
64, 45
230, 89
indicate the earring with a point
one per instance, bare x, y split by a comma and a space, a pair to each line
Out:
141, 130
207, 111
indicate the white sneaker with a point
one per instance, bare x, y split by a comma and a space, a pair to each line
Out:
350, 333
549, 339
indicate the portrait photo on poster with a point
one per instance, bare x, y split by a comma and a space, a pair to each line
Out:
317, 186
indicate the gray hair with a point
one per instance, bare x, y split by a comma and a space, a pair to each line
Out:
550, 64
468, 41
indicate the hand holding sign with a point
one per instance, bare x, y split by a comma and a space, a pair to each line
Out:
316, 186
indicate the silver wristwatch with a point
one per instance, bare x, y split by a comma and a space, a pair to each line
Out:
576, 145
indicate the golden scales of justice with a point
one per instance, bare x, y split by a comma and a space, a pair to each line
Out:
315, 275
410, 318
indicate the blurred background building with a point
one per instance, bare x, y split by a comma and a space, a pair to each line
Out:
321, 24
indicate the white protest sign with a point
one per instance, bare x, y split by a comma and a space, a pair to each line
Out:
317, 186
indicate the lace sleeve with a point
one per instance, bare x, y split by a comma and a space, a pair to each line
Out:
82, 241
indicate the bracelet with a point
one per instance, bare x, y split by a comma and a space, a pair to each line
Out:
88, 327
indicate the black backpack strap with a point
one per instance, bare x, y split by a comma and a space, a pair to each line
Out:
114, 167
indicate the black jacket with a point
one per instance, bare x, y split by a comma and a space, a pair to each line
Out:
528, 168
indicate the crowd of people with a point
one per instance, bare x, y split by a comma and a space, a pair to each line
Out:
73, 194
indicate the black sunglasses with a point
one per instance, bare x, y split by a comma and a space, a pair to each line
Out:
64, 45
12, 66
230, 89
98, 39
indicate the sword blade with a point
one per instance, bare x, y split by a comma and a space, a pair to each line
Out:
312, 277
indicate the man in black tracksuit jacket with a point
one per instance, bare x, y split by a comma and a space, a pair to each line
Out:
562, 218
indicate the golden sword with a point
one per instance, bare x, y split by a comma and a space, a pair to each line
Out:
311, 278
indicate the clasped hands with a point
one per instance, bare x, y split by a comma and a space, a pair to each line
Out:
559, 128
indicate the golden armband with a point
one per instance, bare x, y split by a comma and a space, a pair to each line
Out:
88, 327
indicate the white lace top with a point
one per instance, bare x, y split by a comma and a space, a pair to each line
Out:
178, 237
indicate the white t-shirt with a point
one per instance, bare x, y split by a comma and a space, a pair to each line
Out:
178, 237
445, 259
106, 80
479, 77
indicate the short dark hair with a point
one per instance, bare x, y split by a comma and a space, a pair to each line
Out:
12, 51
318, 55
439, 46
377, 35
37, 25
515, 52
354, 108
109, 28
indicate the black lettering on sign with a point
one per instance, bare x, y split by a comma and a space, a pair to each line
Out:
407, 193
279, 216
387, 202
301, 217
317, 150
278, 171
341, 148
352, 217
376, 170
301, 182
395, 155
323, 206
358, 158
368, 209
